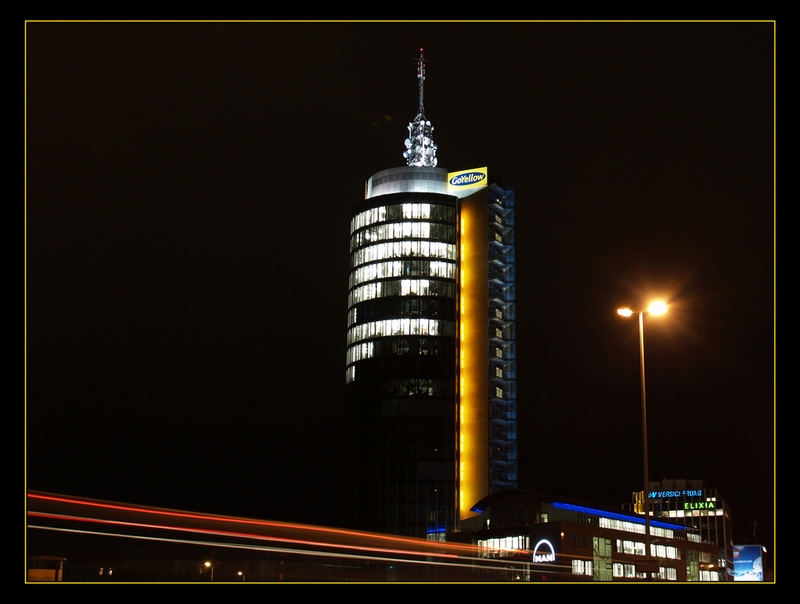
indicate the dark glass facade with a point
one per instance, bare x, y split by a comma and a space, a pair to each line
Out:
401, 366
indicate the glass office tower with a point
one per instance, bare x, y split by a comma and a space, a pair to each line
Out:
431, 358
401, 351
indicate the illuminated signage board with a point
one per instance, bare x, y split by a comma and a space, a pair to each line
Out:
461, 183
668, 494
747, 565
544, 551
699, 505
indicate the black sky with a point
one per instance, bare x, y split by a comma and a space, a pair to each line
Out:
188, 194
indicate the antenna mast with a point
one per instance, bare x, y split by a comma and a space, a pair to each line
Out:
420, 148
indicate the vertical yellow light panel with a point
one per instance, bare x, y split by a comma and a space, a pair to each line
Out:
473, 436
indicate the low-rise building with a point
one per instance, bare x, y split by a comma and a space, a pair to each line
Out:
691, 503
558, 539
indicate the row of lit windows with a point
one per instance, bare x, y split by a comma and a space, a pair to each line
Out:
399, 327
638, 548
498, 545
670, 552
620, 525
365, 350
662, 532
403, 230
403, 268
405, 211
367, 217
403, 249
401, 287
689, 513
626, 546
628, 571
633, 527
581, 567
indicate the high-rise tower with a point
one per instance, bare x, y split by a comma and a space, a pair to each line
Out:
430, 364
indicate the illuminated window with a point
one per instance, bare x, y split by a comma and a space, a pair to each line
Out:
404, 287
367, 217
498, 546
401, 268
395, 327
662, 532
414, 286
402, 230
403, 249
358, 352
622, 525
627, 546
416, 210
664, 551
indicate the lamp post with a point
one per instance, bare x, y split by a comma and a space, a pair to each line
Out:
210, 567
656, 308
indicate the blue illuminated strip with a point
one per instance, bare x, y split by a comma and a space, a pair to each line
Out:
615, 516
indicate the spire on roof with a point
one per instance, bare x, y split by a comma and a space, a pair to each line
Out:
420, 148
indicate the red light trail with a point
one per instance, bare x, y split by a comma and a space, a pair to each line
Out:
74, 515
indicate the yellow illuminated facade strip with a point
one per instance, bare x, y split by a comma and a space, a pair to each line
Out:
473, 357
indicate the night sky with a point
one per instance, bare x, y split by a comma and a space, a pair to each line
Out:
189, 188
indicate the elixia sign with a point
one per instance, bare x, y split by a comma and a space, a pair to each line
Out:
699, 505
544, 551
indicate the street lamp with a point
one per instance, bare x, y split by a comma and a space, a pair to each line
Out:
209, 566
655, 308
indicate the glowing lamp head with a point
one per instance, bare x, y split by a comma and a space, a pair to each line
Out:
657, 308
624, 312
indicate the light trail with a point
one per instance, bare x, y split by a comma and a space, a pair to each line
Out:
263, 523
282, 550
237, 535
282, 538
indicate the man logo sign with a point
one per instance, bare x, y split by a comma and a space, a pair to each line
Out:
544, 552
